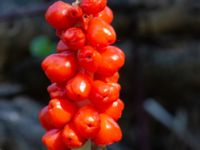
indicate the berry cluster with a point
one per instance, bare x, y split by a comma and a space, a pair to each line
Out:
84, 92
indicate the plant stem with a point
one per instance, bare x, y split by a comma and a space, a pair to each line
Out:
95, 147
90, 146
86, 146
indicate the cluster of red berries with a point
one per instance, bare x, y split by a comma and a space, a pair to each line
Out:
84, 92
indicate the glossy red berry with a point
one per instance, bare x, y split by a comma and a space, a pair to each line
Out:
78, 88
106, 15
53, 140
56, 91
74, 38
104, 93
44, 119
112, 60
100, 33
75, 12
60, 67
113, 78
92, 6
109, 133
113, 110
62, 47
84, 21
71, 137
87, 121
56, 15
61, 112
89, 58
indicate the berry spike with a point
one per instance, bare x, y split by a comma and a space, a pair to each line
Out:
84, 71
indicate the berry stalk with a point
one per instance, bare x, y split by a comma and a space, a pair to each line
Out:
84, 90
86, 146
95, 147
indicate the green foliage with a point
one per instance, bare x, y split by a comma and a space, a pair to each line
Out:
41, 46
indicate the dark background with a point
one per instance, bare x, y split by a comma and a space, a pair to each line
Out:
160, 80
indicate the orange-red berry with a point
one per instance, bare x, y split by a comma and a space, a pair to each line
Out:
113, 110
109, 133
89, 58
113, 59
100, 33
56, 15
106, 15
75, 12
92, 6
61, 112
78, 88
104, 93
53, 140
60, 67
71, 137
44, 119
84, 21
74, 38
87, 121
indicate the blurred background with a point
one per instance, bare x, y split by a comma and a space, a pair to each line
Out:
160, 80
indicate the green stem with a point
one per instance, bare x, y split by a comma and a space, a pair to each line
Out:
95, 147
90, 146
86, 146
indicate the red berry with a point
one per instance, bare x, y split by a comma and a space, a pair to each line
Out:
71, 137
109, 133
100, 33
61, 111
74, 38
75, 12
60, 67
78, 88
62, 47
56, 91
87, 121
84, 21
53, 140
92, 6
104, 93
113, 78
56, 15
44, 119
112, 60
89, 58
114, 110
106, 15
